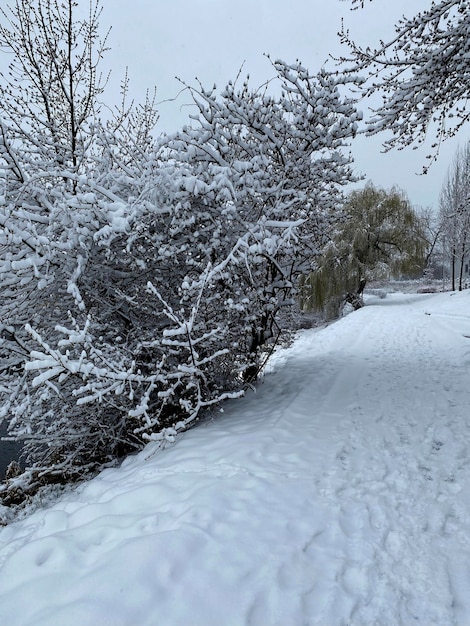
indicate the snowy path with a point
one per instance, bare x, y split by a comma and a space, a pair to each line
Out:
338, 494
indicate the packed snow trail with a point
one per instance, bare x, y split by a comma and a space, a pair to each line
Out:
337, 494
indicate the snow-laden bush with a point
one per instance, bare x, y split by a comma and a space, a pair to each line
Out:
144, 276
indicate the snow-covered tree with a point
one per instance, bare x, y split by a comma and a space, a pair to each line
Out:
145, 275
381, 236
422, 74
63, 179
48, 103
434, 265
454, 208
268, 169
48, 96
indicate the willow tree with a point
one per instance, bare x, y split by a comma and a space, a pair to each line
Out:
381, 236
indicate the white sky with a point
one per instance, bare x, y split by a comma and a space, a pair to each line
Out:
210, 39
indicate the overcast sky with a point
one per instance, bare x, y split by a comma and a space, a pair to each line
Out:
210, 39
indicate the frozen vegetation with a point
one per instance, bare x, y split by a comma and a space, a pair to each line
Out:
142, 276
145, 279
337, 493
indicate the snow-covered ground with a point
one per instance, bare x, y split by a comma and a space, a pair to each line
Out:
337, 494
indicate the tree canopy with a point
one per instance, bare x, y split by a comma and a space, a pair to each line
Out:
422, 74
380, 236
454, 209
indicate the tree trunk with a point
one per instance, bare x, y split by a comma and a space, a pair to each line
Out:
453, 268
462, 259
356, 298
463, 254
